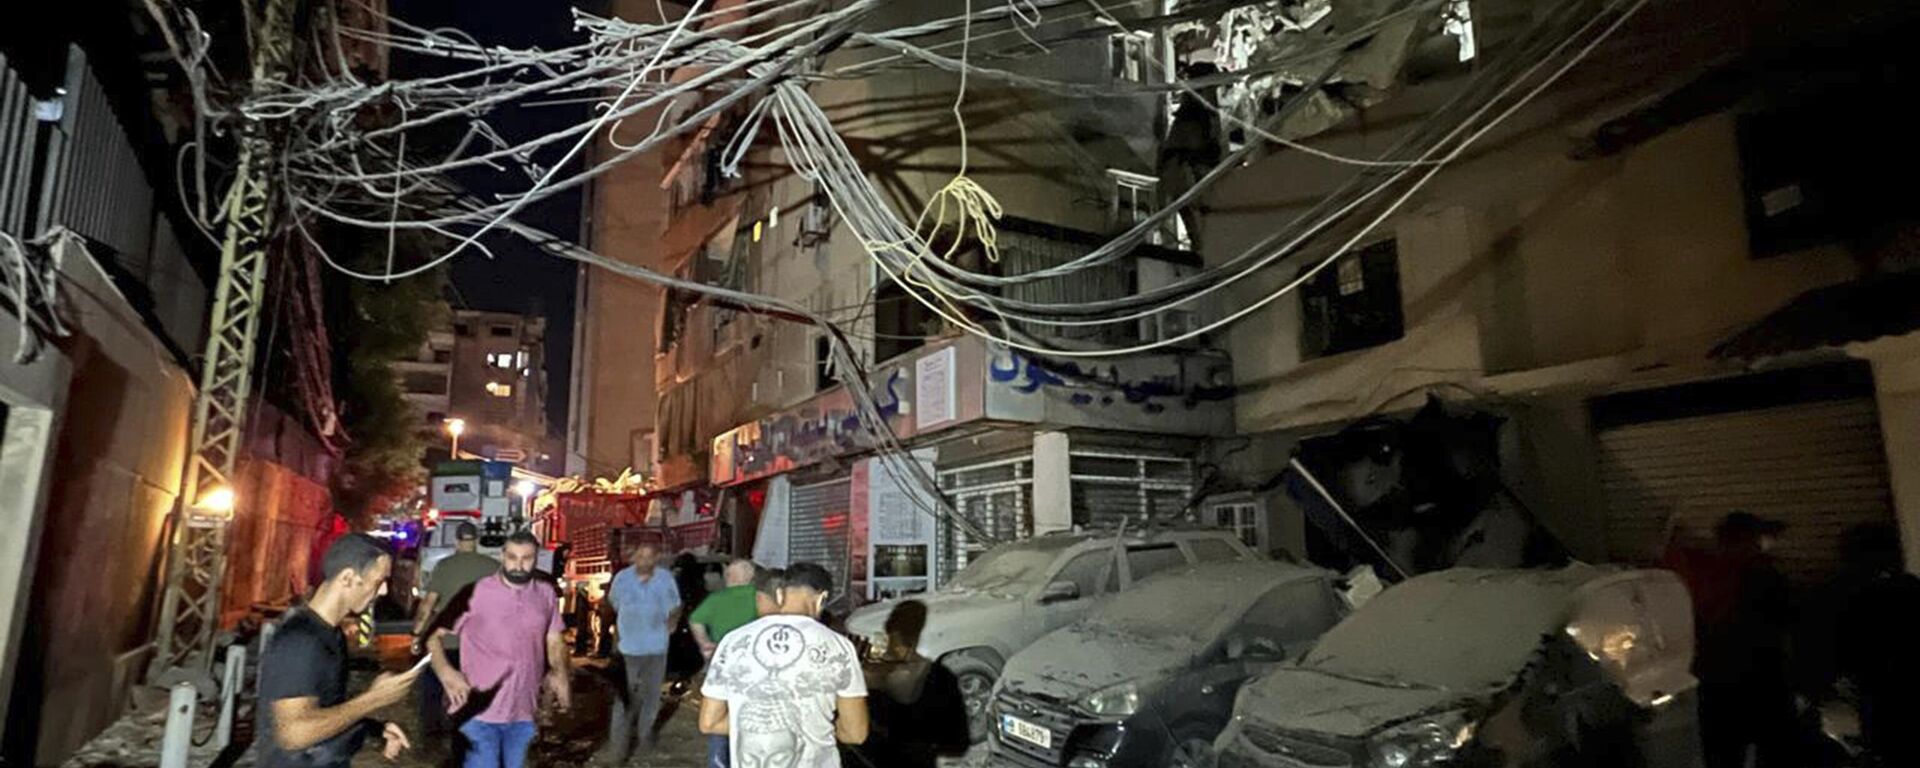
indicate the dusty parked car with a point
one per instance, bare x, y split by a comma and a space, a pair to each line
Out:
1014, 593
1148, 679
1580, 666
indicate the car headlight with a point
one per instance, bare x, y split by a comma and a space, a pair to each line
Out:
1428, 741
1117, 701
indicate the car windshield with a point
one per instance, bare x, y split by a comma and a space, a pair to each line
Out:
1459, 630
1014, 569
1180, 607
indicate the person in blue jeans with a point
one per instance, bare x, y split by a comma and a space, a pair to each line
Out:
512, 645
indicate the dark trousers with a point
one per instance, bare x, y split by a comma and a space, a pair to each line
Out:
436, 724
635, 711
1753, 713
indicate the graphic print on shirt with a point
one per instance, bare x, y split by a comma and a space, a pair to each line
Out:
781, 680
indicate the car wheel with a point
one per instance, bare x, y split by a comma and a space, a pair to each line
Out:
1194, 752
976, 679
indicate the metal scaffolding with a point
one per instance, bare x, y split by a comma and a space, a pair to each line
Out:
190, 612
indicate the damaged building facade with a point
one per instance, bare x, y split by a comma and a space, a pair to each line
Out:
1675, 275
1659, 318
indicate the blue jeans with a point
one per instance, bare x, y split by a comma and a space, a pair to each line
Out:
718, 755
497, 745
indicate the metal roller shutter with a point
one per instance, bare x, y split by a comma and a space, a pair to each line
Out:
817, 531
1819, 467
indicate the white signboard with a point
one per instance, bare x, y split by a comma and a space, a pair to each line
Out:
933, 389
770, 544
894, 515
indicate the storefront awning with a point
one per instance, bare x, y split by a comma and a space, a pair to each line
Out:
1862, 310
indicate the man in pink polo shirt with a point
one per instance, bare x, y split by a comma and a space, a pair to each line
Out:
510, 643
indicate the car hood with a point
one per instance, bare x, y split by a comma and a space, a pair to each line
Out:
1307, 701
953, 616
1078, 660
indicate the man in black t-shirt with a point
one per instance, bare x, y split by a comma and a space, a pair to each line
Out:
305, 717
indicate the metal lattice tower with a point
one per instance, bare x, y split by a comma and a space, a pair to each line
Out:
190, 612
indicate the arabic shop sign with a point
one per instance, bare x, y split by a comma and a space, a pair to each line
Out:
828, 426
1184, 394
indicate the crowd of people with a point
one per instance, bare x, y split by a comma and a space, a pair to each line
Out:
783, 688
779, 686
1773, 660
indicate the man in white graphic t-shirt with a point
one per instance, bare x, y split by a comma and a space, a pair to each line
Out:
785, 687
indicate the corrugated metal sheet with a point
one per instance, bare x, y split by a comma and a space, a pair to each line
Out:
817, 531
1819, 467
17, 128
102, 191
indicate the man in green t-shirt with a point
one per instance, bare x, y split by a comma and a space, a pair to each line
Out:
726, 610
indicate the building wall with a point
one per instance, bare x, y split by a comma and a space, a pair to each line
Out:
117, 462
285, 507
513, 421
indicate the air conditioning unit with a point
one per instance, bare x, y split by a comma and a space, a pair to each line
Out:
816, 224
1173, 323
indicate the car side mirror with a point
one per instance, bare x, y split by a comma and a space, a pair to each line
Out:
1253, 648
1060, 591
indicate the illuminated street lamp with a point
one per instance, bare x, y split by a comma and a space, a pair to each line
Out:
456, 427
218, 501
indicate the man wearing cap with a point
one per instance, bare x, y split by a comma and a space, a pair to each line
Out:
1743, 619
447, 591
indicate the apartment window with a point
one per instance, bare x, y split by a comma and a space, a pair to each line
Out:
1353, 304
1130, 56
424, 383
498, 389
443, 355
1136, 196
1241, 517
501, 360
462, 329
822, 363
1458, 24
500, 331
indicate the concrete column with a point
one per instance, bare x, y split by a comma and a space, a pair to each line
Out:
1052, 483
1896, 380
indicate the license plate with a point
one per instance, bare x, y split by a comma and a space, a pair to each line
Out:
1025, 731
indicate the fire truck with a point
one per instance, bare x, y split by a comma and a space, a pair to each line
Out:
485, 493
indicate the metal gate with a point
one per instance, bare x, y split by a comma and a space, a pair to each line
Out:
997, 496
1818, 467
1112, 486
817, 530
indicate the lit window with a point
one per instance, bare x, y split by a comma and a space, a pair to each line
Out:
1129, 56
502, 360
498, 389
1459, 25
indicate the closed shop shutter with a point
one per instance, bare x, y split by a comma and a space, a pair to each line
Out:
1818, 467
817, 531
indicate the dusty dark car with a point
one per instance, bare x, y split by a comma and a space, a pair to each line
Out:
1580, 666
1148, 679
1017, 592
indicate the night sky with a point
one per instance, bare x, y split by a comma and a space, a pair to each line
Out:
520, 279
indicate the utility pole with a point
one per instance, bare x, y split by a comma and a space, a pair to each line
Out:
190, 612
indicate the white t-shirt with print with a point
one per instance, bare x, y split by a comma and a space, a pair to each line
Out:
781, 677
